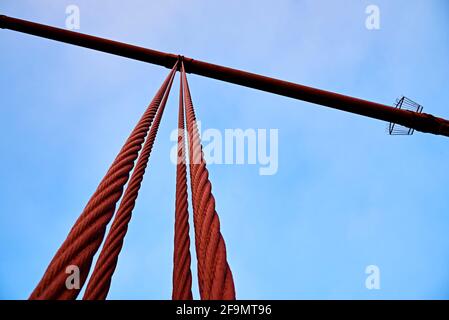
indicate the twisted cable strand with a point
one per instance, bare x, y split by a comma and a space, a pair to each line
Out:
100, 281
214, 273
86, 235
182, 276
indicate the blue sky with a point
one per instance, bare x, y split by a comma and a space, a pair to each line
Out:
346, 195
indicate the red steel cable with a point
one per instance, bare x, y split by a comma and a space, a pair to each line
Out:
215, 276
182, 276
100, 281
86, 235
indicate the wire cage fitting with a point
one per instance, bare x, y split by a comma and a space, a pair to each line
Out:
404, 103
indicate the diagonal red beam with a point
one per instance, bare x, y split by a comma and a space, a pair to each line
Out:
419, 121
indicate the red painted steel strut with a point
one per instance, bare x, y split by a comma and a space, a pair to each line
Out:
419, 121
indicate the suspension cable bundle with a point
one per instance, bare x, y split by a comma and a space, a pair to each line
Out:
88, 231
100, 280
87, 234
182, 276
214, 274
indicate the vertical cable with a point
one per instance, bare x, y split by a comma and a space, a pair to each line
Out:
87, 234
214, 273
182, 276
100, 281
